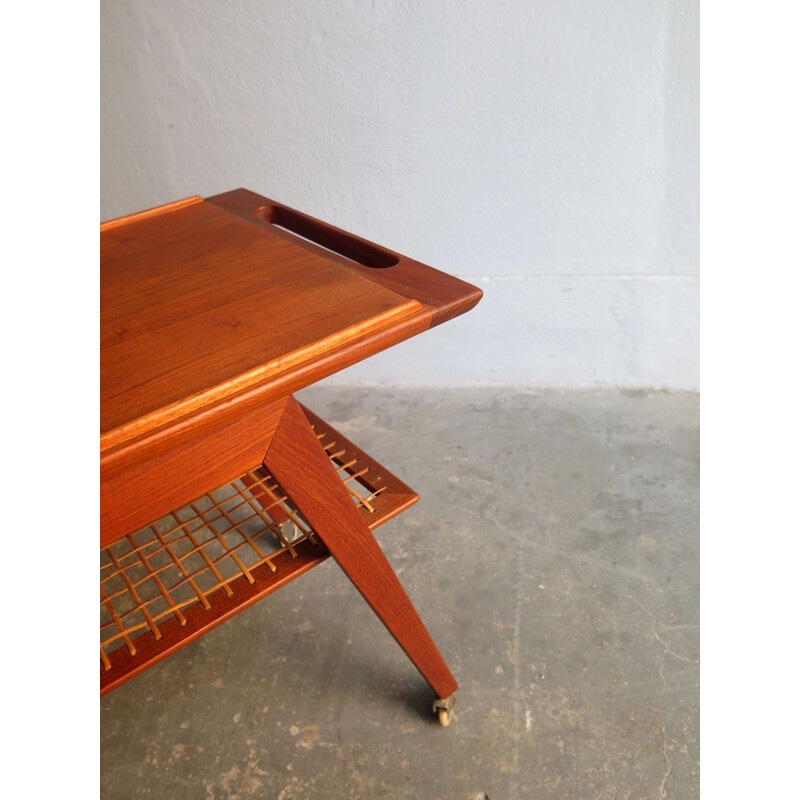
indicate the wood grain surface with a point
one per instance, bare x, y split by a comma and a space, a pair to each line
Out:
144, 480
196, 306
443, 295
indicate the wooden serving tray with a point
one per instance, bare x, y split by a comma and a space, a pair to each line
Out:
213, 312
203, 299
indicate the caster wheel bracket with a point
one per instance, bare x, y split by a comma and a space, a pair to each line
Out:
444, 709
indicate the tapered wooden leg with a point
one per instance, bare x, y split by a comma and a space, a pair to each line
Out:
300, 465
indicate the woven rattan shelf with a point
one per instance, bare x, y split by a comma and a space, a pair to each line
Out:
166, 584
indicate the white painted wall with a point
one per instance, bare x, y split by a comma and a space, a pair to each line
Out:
545, 150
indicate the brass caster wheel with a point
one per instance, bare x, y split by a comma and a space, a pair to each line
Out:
444, 709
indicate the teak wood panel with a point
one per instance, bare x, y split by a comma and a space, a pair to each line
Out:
197, 305
143, 482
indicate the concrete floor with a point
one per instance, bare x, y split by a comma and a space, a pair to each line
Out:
554, 558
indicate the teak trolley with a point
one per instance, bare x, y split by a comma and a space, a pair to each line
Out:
217, 486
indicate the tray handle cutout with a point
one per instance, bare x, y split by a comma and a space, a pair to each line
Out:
336, 241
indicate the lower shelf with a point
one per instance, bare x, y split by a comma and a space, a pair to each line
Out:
184, 574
